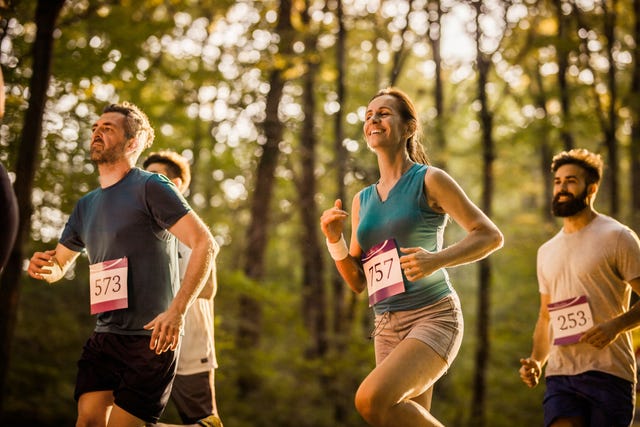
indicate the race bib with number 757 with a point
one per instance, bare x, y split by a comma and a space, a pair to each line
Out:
381, 266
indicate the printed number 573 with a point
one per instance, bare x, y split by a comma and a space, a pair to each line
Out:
107, 284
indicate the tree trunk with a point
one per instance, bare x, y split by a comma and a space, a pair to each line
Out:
400, 55
545, 149
250, 311
478, 405
314, 299
47, 12
338, 285
434, 10
563, 64
612, 113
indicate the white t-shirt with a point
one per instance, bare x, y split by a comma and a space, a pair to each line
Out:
597, 261
197, 349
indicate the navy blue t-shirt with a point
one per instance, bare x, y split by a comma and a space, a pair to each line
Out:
130, 219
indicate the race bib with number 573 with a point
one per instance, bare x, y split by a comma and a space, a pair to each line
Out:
382, 268
108, 285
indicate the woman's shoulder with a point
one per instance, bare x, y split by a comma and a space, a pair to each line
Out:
437, 176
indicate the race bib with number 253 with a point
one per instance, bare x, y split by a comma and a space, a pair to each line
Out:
570, 318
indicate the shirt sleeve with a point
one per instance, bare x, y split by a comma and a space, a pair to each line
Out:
164, 201
543, 286
628, 255
70, 236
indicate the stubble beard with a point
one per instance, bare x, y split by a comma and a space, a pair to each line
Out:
107, 155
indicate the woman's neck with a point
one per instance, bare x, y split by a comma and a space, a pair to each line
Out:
391, 171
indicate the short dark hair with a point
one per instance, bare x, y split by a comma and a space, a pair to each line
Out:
591, 162
177, 165
136, 122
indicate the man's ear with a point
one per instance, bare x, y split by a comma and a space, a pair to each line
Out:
177, 181
132, 145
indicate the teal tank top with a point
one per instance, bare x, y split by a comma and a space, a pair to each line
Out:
406, 217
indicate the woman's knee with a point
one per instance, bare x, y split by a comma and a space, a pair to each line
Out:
371, 404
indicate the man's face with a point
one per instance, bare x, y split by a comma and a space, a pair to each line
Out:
570, 191
108, 140
158, 168
162, 169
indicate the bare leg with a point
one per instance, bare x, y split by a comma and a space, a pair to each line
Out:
121, 418
386, 396
94, 409
424, 399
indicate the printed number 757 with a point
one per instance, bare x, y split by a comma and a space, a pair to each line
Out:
378, 272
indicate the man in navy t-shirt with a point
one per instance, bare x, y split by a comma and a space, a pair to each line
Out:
128, 228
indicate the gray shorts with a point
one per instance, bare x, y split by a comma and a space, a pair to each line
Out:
439, 325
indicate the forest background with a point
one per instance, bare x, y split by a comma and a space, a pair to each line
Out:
266, 98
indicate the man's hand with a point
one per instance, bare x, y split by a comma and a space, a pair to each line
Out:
530, 371
166, 327
44, 266
601, 335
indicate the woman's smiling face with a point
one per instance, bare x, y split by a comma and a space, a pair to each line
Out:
383, 124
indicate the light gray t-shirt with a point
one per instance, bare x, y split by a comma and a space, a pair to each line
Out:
597, 261
197, 349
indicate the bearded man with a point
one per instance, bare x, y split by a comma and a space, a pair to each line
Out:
586, 275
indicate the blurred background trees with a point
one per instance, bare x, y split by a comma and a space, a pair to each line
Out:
267, 99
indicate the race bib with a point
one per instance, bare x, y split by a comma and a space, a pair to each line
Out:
381, 266
108, 285
570, 318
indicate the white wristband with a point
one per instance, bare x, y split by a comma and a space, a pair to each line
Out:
339, 249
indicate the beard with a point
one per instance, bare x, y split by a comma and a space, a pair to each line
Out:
571, 207
107, 155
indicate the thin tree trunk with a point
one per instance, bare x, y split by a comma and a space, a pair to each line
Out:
483, 348
610, 129
434, 10
313, 292
343, 307
250, 311
545, 148
563, 64
338, 285
400, 55
47, 12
